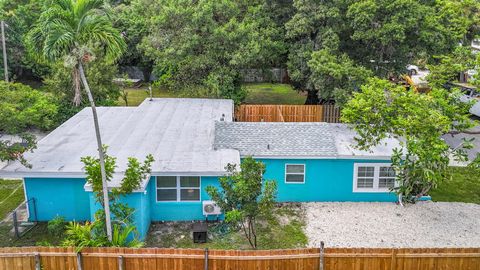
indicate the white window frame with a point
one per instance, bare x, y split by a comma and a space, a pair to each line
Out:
376, 177
178, 188
304, 173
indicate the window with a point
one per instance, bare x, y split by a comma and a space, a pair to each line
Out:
373, 177
386, 178
178, 188
295, 173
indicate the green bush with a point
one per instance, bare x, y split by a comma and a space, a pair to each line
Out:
22, 108
56, 226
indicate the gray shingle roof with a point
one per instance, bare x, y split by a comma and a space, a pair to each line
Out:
296, 140
272, 139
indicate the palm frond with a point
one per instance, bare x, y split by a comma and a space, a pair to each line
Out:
99, 30
59, 42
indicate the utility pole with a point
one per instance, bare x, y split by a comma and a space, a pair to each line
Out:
5, 66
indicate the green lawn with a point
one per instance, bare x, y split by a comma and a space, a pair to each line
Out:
11, 195
464, 187
136, 96
273, 93
258, 93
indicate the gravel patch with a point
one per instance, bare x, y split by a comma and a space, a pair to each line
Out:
425, 224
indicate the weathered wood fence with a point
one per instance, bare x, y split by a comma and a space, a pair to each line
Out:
52, 258
288, 113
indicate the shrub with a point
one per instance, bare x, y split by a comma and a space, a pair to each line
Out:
56, 226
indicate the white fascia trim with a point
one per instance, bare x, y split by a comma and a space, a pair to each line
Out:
6, 174
203, 174
87, 187
322, 157
42, 174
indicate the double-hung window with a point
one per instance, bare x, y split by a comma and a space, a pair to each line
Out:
178, 188
295, 173
373, 177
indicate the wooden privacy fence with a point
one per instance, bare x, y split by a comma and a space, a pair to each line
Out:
288, 113
53, 258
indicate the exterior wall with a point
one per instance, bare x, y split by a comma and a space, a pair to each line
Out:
179, 211
139, 201
325, 180
59, 196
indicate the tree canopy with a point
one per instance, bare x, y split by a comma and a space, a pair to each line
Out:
199, 48
385, 110
202, 45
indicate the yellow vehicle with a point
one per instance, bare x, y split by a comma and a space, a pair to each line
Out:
417, 86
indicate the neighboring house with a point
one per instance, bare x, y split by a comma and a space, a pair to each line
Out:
192, 140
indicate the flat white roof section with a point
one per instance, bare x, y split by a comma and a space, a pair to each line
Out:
179, 133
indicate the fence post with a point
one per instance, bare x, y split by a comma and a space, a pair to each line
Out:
322, 255
15, 223
120, 263
38, 266
206, 259
79, 261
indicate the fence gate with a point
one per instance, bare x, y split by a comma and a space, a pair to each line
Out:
23, 218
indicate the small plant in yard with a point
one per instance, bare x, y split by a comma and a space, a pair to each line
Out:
94, 233
56, 226
244, 196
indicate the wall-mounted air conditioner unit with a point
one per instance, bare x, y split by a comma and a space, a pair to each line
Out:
210, 208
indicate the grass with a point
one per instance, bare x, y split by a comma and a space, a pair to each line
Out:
286, 230
273, 93
36, 236
464, 187
11, 195
258, 93
136, 96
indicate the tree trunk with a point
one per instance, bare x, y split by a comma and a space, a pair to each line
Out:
100, 152
312, 97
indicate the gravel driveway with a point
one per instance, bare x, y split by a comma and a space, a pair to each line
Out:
425, 224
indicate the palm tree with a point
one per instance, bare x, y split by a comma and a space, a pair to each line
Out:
68, 30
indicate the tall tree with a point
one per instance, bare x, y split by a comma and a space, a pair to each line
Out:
385, 110
380, 35
449, 66
313, 27
132, 20
337, 76
201, 46
20, 15
69, 30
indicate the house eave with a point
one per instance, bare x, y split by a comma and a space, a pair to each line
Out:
356, 157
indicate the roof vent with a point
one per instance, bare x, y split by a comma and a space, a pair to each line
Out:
223, 117
268, 146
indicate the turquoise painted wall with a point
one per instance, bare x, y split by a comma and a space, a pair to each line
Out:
325, 180
178, 211
139, 201
59, 196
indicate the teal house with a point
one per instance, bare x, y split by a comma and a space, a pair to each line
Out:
192, 140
